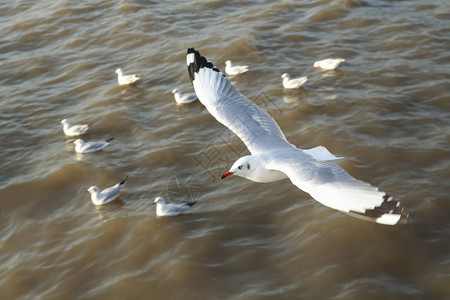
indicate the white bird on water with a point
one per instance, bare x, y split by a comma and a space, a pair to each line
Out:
293, 83
234, 70
328, 64
170, 209
274, 158
87, 147
126, 79
183, 98
107, 195
73, 130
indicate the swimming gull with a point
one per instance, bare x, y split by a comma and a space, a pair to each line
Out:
126, 79
73, 130
170, 209
87, 147
329, 63
107, 195
183, 98
293, 83
234, 70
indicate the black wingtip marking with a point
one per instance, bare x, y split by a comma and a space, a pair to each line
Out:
109, 140
124, 180
199, 62
388, 206
191, 203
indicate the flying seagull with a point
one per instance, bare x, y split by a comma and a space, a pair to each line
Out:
274, 158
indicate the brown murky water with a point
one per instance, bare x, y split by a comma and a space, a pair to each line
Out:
386, 110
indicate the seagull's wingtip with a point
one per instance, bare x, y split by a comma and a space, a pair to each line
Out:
124, 180
195, 61
389, 212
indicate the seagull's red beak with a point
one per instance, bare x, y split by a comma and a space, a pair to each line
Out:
225, 175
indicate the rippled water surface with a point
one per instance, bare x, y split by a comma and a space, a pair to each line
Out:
386, 110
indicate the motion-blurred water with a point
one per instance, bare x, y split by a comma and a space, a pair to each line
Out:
386, 110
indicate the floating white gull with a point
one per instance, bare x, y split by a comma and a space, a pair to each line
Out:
87, 147
183, 98
107, 195
234, 70
293, 83
328, 64
126, 79
73, 130
273, 157
170, 209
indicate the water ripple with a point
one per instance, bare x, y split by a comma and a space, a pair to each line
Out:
386, 111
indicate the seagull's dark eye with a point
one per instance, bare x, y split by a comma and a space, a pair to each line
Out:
240, 167
248, 166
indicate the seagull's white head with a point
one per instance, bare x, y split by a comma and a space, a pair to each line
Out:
243, 167
119, 71
175, 91
286, 75
78, 142
158, 200
93, 190
65, 121
228, 63
252, 167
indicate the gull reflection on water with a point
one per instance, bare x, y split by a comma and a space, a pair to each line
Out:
294, 96
106, 212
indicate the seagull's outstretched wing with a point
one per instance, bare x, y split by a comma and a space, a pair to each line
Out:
332, 186
224, 102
